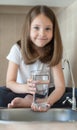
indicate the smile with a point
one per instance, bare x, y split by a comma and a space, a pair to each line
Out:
41, 39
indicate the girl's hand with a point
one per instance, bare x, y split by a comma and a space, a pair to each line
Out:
34, 107
31, 86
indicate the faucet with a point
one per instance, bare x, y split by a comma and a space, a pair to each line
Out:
73, 100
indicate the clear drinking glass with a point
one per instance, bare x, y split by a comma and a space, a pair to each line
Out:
42, 80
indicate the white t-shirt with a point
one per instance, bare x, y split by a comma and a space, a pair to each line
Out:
24, 70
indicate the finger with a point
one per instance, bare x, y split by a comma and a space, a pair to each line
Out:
31, 91
33, 107
37, 108
29, 80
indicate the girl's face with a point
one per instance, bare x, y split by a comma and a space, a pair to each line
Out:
41, 32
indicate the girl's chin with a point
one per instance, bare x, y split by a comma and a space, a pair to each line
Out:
40, 45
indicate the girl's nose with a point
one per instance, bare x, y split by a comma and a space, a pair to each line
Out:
42, 32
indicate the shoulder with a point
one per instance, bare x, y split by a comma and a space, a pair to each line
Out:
15, 47
14, 54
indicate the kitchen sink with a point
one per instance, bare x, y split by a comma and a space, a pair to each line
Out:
53, 115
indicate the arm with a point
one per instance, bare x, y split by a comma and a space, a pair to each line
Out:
11, 80
59, 84
59, 88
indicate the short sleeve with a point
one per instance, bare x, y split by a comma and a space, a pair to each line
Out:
14, 54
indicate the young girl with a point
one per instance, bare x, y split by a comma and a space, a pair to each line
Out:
40, 46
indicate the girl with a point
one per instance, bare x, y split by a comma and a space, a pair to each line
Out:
40, 46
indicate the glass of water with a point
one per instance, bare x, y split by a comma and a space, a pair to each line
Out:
41, 78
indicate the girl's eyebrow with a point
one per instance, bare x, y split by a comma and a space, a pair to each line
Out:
40, 25
49, 26
35, 25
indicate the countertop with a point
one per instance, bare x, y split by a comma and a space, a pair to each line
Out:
26, 119
38, 126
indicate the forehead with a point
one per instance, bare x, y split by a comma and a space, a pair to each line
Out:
41, 18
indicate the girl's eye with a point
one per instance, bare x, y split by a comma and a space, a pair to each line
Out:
48, 29
36, 28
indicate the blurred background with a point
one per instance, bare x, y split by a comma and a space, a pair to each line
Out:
12, 15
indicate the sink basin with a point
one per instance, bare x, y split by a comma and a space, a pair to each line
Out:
53, 115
